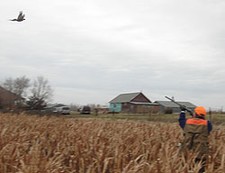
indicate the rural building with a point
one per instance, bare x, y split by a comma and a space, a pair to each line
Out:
132, 103
171, 107
8, 100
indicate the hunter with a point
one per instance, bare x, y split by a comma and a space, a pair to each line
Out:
196, 131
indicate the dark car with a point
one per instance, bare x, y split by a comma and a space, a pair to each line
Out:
85, 110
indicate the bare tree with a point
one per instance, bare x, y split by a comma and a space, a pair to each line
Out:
17, 86
41, 93
8, 84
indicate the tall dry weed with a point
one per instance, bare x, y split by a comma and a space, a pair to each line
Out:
33, 144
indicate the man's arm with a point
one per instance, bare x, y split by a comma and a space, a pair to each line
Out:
182, 119
209, 124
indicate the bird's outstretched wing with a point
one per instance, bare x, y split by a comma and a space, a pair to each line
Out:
20, 16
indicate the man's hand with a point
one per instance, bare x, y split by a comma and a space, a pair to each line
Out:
183, 108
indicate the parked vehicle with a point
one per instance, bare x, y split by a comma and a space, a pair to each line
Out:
65, 110
85, 110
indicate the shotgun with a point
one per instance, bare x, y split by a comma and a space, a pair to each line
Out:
182, 106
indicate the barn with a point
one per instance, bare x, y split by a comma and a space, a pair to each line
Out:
132, 103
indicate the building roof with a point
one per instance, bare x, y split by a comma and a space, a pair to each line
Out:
172, 104
128, 97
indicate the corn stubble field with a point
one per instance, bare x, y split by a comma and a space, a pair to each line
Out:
34, 144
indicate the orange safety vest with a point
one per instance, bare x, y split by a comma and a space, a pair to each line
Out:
196, 121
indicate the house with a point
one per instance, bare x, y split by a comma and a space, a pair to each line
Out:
8, 100
132, 103
171, 107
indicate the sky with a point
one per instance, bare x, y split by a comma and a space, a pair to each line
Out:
93, 50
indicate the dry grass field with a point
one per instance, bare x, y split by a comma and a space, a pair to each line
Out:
34, 144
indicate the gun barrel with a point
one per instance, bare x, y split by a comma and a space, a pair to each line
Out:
173, 101
190, 111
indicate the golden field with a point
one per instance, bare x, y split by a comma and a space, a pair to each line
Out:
49, 144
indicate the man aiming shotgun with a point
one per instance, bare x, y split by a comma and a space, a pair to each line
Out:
196, 131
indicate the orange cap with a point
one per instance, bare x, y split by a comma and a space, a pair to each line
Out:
200, 110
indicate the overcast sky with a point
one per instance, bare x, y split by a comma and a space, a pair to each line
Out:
93, 50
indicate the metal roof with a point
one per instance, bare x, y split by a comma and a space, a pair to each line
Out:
124, 98
172, 104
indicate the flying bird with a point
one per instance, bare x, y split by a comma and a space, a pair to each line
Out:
20, 17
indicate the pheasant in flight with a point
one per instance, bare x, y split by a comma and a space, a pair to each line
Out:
20, 17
